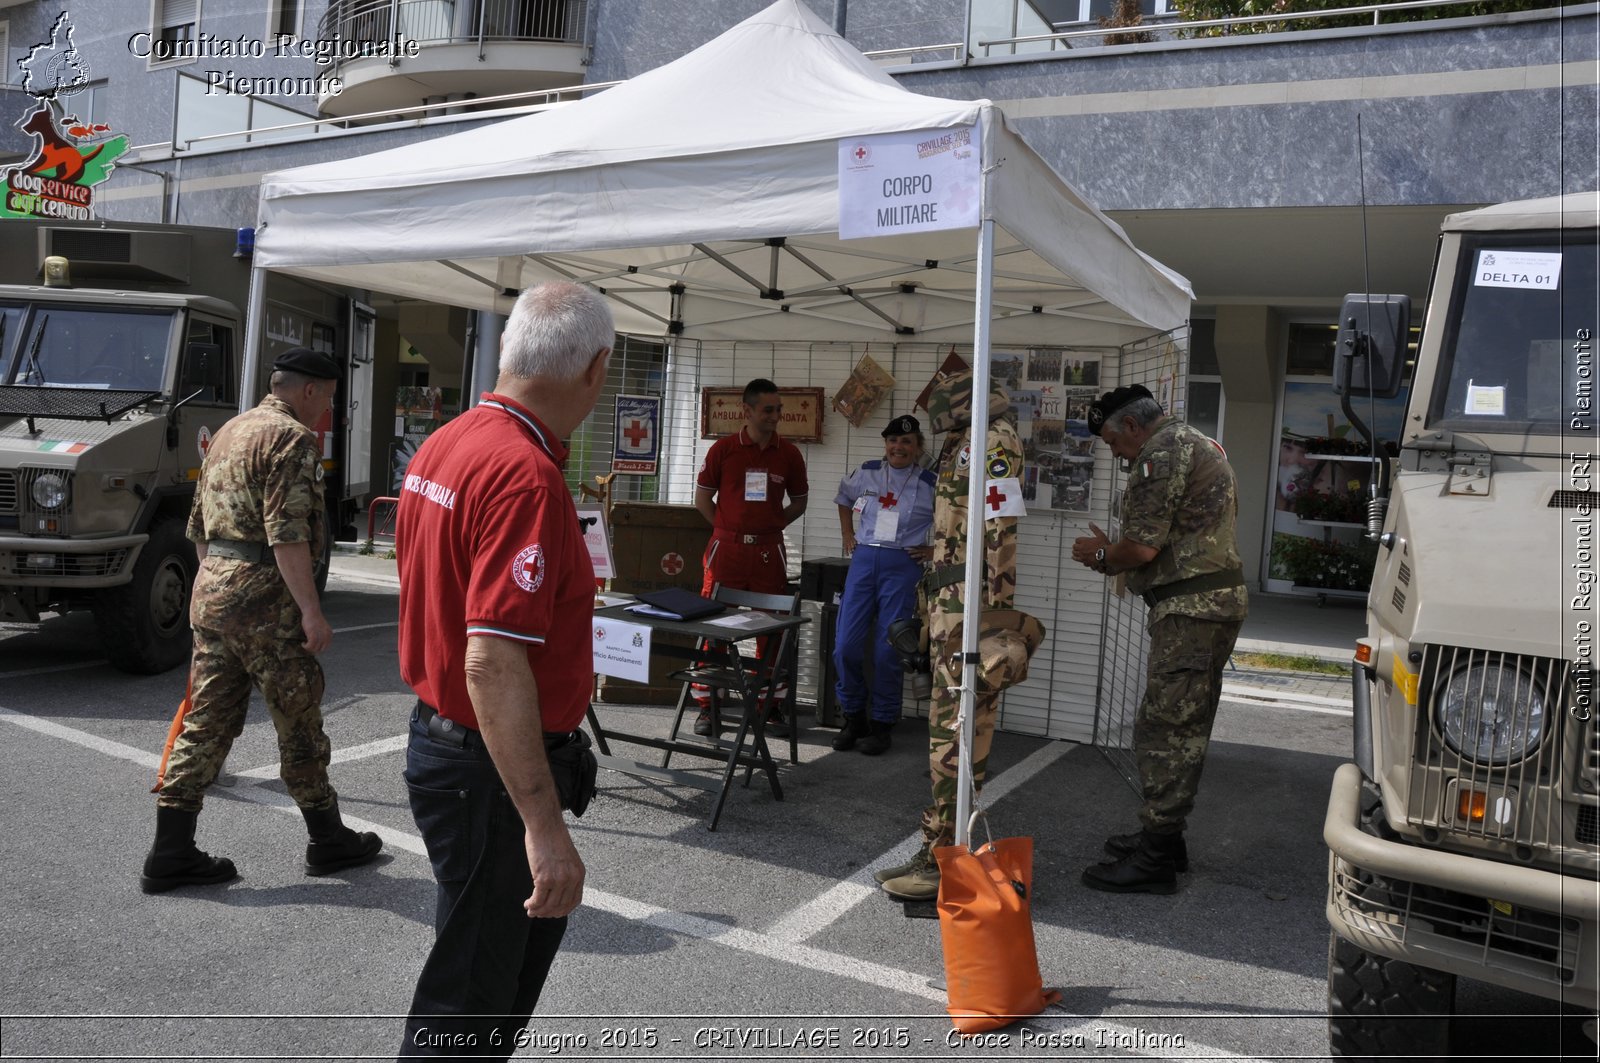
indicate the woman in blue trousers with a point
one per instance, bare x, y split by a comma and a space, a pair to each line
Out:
894, 498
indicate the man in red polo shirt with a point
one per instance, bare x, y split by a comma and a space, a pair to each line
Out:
496, 599
740, 490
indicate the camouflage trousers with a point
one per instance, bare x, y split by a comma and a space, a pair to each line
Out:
944, 739
225, 666
1183, 684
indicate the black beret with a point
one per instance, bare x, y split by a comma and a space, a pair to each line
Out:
306, 362
1112, 401
904, 425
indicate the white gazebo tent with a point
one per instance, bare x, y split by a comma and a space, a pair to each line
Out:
703, 198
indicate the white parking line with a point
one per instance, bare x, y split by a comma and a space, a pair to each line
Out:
766, 945
141, 757
817, 915
340, 756
78, 666
365, 627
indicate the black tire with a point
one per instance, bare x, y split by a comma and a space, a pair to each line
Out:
144, 624
1380, 1007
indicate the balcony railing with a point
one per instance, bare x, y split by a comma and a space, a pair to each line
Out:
453, 22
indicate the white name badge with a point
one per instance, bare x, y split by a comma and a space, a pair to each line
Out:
861, 504
755, 485
886, 525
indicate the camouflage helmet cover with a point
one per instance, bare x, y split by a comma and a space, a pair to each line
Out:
950, 402
1007, 638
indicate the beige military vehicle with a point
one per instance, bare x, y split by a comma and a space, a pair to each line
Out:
1465, 838
118, 360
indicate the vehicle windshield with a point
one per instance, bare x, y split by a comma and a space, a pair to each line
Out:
1508, 364
51, 345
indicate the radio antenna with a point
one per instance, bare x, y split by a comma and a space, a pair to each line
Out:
1377, 499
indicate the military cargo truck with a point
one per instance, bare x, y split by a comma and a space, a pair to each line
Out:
117, 363
1465, 837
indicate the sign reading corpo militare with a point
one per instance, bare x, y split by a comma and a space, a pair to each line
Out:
908, 182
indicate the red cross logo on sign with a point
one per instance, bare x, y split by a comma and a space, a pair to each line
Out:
635, 433
672, 564
995, 498
861, 153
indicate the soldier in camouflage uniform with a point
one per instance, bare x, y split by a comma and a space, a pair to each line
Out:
257, 523
950, 409
1179, 551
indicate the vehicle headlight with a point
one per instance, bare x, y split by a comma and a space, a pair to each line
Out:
49, 491
1491, 715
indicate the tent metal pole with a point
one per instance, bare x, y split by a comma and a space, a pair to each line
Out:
977, 468
254, 326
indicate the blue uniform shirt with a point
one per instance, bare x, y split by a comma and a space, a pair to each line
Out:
908, 492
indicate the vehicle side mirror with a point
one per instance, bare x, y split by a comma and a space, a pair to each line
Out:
1369, 357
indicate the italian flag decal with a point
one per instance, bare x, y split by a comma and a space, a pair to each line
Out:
61, 446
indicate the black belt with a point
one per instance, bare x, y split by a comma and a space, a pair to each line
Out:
256, 553
937, 579
1207, 581
461, 736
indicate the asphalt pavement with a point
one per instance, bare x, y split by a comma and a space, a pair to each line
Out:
765, 939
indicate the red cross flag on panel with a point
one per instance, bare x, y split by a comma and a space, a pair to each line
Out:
637, 431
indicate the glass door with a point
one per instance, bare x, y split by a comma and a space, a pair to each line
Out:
1321, 474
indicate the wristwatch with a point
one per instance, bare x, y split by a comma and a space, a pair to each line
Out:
1100, 559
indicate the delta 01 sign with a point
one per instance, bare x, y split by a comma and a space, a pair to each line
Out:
912, 182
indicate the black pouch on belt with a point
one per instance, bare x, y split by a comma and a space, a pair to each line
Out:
573, 769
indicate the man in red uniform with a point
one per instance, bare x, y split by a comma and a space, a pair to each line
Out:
740, 490
496, 599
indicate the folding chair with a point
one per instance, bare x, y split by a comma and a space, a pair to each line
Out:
754, 691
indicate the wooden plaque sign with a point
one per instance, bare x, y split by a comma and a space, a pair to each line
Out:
722, 413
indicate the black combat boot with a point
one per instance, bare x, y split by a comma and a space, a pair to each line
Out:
175, 861
1150, 868
333, 846
1120, 845
877, 740
854, 729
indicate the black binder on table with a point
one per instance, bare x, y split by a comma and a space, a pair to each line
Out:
676, 603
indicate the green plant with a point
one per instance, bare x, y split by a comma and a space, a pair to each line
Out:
1290, 662
1309, 504
1309, 562
1200, 10
1125, 14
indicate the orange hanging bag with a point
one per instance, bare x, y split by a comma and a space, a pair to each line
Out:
986, 921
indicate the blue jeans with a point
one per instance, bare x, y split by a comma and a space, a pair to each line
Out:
880, 588
489, 960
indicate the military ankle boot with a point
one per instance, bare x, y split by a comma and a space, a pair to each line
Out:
1120, 845
877, 739
333, 846
855, 728
175, 861
903, 869
920, 882
1150, 868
